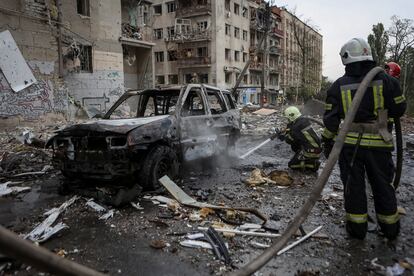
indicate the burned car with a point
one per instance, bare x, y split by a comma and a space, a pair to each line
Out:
149, 133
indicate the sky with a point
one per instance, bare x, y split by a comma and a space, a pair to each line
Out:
340, 21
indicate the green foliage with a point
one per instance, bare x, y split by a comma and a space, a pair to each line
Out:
378, 41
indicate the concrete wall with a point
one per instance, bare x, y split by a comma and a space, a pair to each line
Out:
39, 47
101, 87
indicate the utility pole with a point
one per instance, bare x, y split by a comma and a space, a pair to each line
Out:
59, 37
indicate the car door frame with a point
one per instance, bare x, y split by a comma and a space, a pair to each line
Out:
195, 140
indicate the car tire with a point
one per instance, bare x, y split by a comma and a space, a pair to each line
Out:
160, 161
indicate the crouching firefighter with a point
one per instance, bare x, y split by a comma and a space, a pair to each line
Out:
368, 144
303, 140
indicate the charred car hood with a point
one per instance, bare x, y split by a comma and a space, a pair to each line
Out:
119, 126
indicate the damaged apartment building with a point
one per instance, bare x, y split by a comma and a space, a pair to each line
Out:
208, 41
83, 53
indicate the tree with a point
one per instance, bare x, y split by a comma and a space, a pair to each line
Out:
326, 83
378, 41
308, 57
401, 35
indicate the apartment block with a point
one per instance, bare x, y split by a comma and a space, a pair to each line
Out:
102, 45
210, 41
302, 55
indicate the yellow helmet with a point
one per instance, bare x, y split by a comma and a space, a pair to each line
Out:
292, 113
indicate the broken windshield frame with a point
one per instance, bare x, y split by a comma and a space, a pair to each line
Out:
164, 102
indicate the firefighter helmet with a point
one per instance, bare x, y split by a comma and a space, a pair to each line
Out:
393, 69
357, 49
292, 113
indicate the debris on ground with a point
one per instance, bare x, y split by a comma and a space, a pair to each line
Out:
185, 199
45, 230
98, 208
109, 214
265, 111
219, 247
276, 177
158, 244
137, 206
9, 188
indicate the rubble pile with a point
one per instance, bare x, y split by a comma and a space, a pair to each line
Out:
255, 124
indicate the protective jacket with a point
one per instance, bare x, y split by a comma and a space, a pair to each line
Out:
373, 157
384, 93
302, 137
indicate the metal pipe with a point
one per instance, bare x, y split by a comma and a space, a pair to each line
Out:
304, 212
14, 246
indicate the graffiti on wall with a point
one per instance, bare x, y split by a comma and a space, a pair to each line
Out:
31, 102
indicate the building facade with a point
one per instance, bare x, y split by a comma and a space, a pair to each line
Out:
101, 47
85, 53
210, 41
302, 56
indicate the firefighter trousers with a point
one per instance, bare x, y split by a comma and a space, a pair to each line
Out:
379, 167
300, 162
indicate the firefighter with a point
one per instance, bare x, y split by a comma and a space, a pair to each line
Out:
393, 69
368, 144
303, 140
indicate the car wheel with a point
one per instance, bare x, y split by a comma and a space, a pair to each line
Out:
160, 161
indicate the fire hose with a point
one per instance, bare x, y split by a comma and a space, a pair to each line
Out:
304, 212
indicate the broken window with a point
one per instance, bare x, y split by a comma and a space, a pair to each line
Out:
228, 29
172, 79
158, 104
244, 35
83, 7
203, 78
228, 76
215, 102
227, 5
236, 8
244, 57
158, 33
170, 32
188, 78
237, 55
160, 79
201, 26
171, 6
244, 12
236, 32
159, 56
202, 52
227, 54
85, 58
193, 104
172, 55
127, 109
157, 9
229, 101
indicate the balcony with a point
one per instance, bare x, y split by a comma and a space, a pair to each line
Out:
186, 9
191, 36
257, 66
276, 32
194, 61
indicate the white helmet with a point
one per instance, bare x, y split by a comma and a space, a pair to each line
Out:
357, 49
